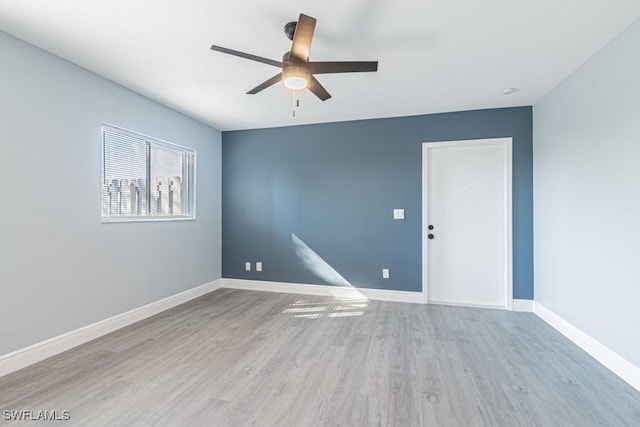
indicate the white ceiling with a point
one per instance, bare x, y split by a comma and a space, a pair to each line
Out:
434, 55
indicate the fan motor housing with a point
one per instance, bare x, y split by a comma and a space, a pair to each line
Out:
294, 75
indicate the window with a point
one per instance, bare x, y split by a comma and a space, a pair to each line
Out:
144, 178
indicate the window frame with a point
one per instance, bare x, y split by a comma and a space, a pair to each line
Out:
150, 141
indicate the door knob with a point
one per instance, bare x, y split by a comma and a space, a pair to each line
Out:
430, 236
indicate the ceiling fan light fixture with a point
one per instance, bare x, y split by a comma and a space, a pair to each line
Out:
295, 82
295, 78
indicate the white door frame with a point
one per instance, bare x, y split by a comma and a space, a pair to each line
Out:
508, 143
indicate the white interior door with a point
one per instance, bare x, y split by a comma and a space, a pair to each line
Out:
467, 203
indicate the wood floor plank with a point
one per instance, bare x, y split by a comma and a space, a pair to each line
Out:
246, 358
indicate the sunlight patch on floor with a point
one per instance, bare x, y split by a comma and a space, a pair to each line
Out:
336, 307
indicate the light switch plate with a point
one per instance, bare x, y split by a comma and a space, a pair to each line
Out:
247, 266
398, 214
258, 266
385, 273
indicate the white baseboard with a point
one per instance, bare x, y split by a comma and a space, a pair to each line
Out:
467, 305
603, 354
324, 290
525, 305
24, 357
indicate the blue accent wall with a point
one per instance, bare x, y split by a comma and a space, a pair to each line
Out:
335, 186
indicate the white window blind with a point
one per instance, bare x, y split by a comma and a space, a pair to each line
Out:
144, 178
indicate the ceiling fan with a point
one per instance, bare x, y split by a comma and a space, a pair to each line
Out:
297, 71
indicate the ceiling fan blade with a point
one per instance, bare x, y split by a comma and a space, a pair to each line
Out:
302, 38
317, 89
262, 86
247, 56
342, 67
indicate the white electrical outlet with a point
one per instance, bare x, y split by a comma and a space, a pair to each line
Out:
247, 266
398, 214
385, 273
258, 266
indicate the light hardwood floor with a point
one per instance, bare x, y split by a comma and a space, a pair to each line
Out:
244, 358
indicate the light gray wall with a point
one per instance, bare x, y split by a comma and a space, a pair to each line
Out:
587, 197
60, 268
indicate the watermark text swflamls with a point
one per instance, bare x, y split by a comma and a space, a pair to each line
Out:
36, 415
